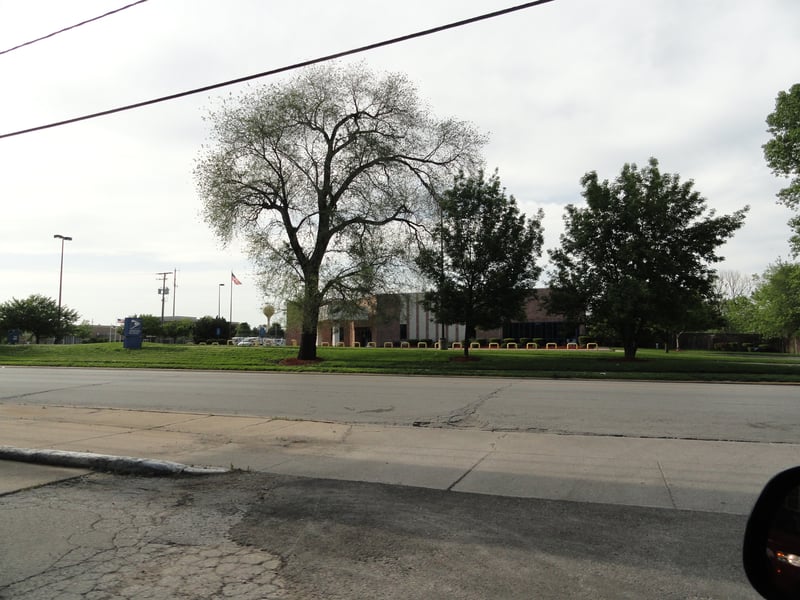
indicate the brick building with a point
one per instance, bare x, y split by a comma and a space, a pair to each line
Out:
403, 317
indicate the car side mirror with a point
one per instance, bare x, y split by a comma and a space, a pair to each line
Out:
771, 549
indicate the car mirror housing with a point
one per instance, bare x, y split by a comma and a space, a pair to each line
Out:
771, 548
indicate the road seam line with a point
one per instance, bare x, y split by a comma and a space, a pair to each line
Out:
666, 485
470, 470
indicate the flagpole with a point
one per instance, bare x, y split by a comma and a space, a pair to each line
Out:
234, 281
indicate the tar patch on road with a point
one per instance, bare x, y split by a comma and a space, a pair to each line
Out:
361, 540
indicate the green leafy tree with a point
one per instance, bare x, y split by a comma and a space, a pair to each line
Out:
777, 303
151, 325
243, 329
83, 331
733, 291
37, 315
181, 328
782, 153
211, 328
638, 256
326, 177
700, 314
739, 314
275, 331
483, 256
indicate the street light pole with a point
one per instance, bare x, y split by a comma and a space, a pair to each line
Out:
63, 238
219, 296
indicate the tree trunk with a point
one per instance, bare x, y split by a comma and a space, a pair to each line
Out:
308, 346
630, 349
310, 312
629, 332
469, 333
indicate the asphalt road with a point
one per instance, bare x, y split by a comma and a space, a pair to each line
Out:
736, 412
258, 536
265, 535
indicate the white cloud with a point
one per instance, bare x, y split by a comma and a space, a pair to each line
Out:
572, 86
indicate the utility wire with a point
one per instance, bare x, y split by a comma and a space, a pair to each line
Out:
299, 65
49, 35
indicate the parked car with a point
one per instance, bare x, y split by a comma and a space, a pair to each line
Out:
771, 549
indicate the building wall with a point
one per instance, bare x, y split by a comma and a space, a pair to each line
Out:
401, 317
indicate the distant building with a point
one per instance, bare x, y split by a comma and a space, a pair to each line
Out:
402, 317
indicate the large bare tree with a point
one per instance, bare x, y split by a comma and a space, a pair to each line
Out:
325, 176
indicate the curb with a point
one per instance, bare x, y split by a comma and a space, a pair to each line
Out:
125, 465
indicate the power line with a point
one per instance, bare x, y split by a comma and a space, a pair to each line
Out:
49, 35
292, 67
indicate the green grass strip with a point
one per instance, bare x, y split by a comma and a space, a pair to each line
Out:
595, 364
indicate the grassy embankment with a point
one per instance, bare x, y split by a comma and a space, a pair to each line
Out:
595, 364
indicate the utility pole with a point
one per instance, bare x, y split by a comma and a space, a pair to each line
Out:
163, 291
174, 290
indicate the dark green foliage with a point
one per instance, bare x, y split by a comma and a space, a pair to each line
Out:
637, 257
176, 330
151, 326
275, 331
482, 261
211, 329
782, 152
243, 329
37, 315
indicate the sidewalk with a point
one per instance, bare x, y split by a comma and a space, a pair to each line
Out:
664, 473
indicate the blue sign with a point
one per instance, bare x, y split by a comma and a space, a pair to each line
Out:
13, 336
132, 334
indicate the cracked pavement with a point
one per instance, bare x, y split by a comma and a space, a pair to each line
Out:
103, 537
258, 536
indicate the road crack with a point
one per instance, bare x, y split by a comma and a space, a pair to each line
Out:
51, 390
464, 416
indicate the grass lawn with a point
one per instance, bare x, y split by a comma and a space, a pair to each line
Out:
594, 364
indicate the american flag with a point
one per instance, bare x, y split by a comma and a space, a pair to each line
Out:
234, 280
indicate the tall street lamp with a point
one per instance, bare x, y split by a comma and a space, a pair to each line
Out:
219, 295
63, 238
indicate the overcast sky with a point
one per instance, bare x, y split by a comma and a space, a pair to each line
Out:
561, 89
